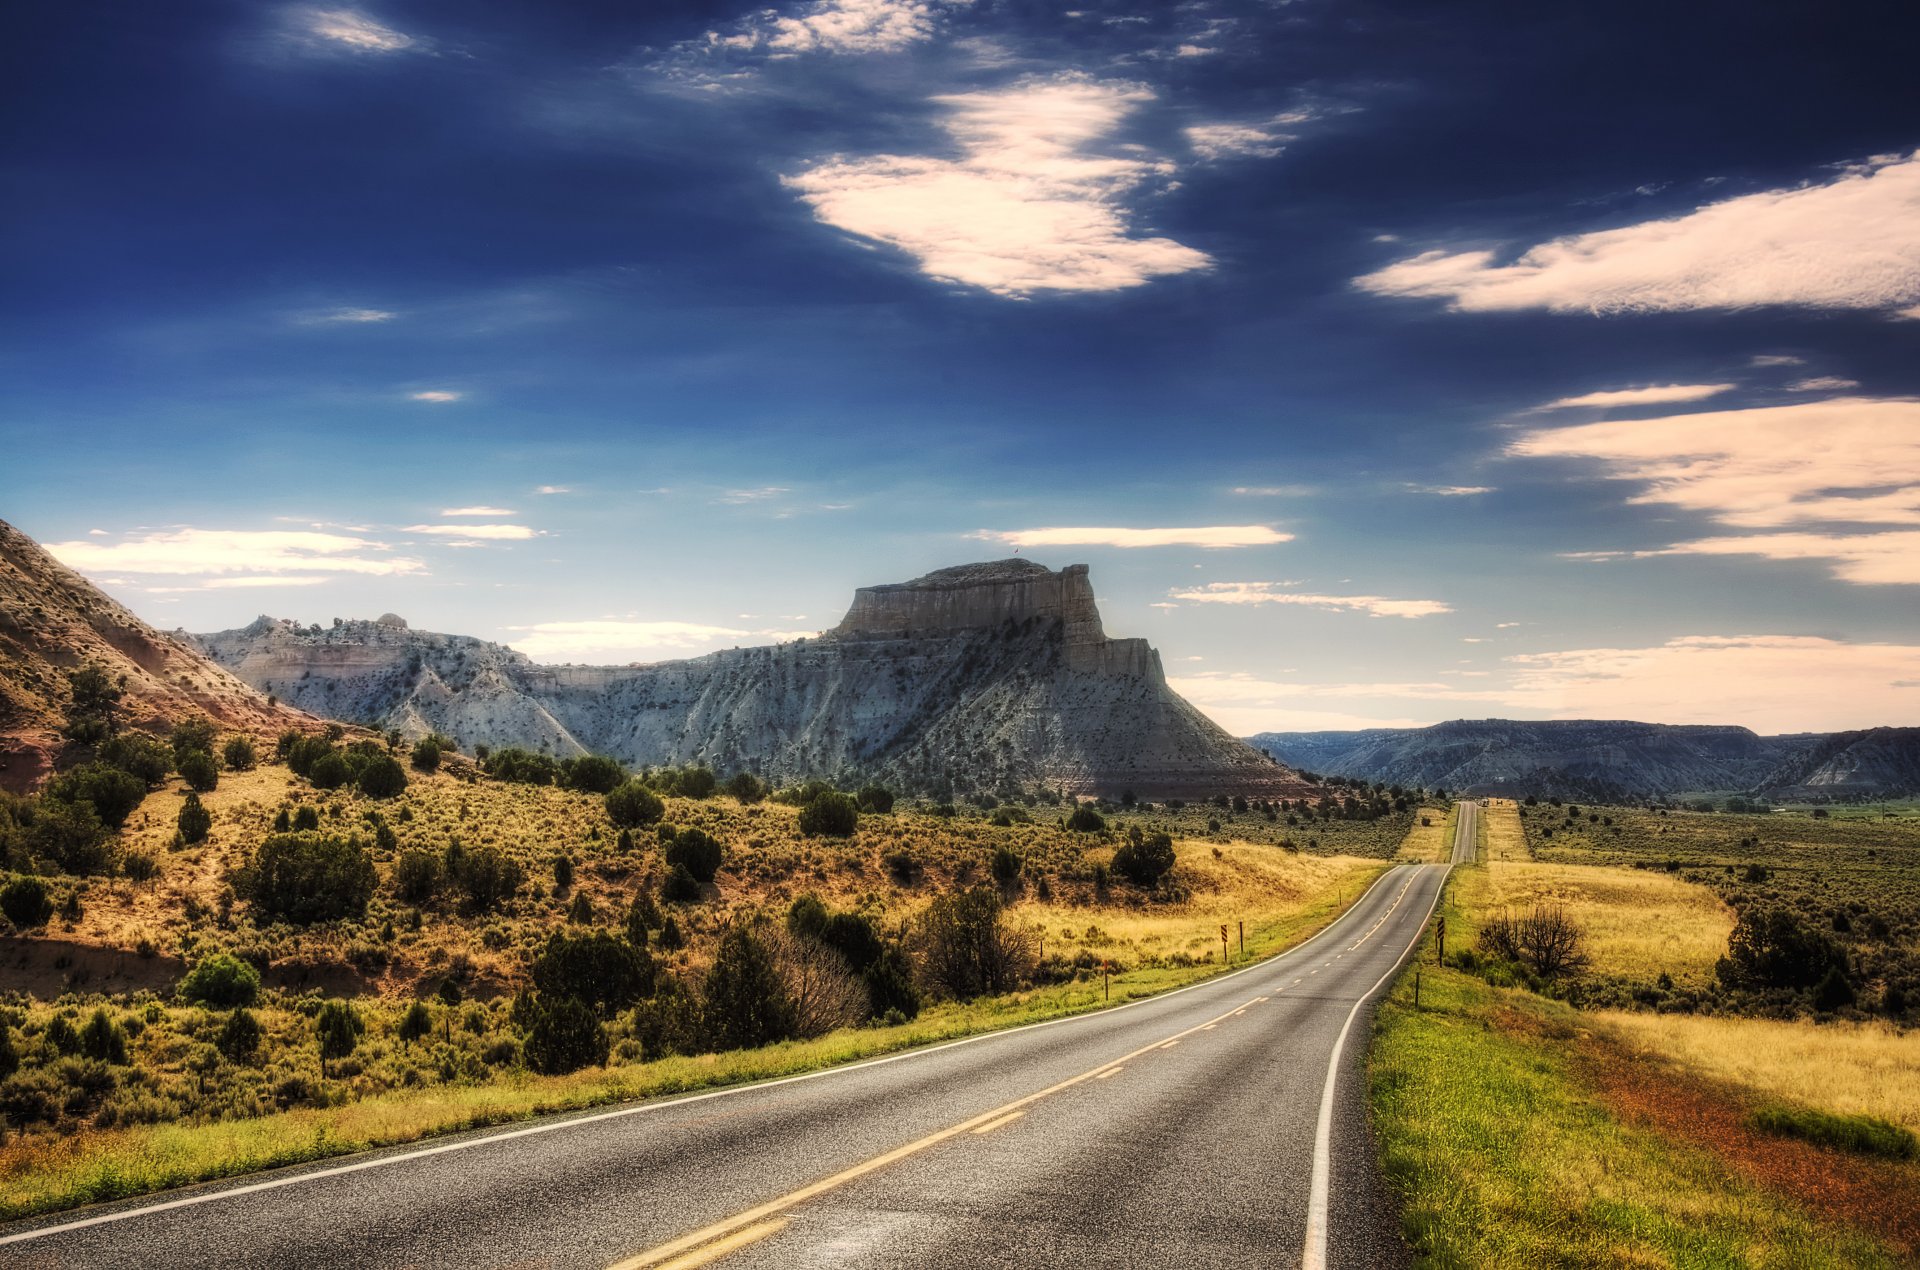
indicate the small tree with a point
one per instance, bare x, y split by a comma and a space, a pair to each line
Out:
239, 1037
562, 872
329, 771
221, 980
968, 948
111, 793
822, 993
190, 735
1005, 866
565, 1036
238, 754
680, 887
830, 815
593, 774
416, 876
414, 1024
198, 770
426, 755
486, 877
1549, 940
746, 787
745, 1000
598, 969
698, 851
25, 903
337, 1027
633, 805
382, 777
1086, 820
195, 820
1144, 861
103, 1039
876, 798
305, 878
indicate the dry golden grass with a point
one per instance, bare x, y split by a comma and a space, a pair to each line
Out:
1431, 843
1637, 923
1502, 837
1851, 1068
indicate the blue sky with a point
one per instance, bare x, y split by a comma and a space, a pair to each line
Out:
1387, 362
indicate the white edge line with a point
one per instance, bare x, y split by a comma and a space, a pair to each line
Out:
1313, 1254
657, 1104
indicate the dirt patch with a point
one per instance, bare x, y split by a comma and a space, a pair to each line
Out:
47, 968
1881, 1197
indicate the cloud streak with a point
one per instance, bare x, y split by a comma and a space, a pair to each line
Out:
1209, 536
1851, 242
1253, 593
215, 552
1654, 394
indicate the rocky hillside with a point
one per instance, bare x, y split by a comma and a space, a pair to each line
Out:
989, 676
53, 621
1592, 760
1876, 763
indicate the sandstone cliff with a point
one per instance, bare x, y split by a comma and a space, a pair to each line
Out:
983, 676
52, 621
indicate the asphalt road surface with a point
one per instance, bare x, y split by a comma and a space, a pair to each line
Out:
1223, 1124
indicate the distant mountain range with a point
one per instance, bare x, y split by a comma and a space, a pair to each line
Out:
1609, 760
983, 676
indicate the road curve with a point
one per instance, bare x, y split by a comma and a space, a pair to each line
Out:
1181, 1130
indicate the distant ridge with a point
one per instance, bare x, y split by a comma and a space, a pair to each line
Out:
985, 676
1613, 760
53, 621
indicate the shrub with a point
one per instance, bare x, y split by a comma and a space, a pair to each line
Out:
198, 770
680, 887
426, 755
239, 1037
306, 817
876, 798
1773, 948
104, 1040
382, 777
746, 787
139, 756
830, 815
821, 992
25, 903
1144, 861
337, 1027
485, 877
70, 837
968, 948
222, 981
330, 771
599, 969
140, 866
195, 820
191, 735
643, 915
695, 783
523, 767
745, 1003
562, 872
1546, 939
1005, 866
416, 876
890, 987
807, 917
9, 1056
1086, 820
902, 866
238, 754
305, 878
633, 805
698, 851
668, 1022
565, 1036
592, 774
853, 937
414, 1024
1862, 1135
111, 793
1833, 990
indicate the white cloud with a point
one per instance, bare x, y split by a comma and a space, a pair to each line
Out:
348, 316
1273, 491
439, 396
1654, 394
354, 30
214, 552
1776, 359
834, 26
1268, 593
1823, 383
1092, 536
1846, 461
1214, 141
1030, 205
490, 533
1913, 312
1451, 491
615, 640
739, 497
478, 511
553, 489
1851, 242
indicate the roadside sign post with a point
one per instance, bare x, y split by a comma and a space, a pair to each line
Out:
1416, 989
1243, 941
1224, 959
1440, 929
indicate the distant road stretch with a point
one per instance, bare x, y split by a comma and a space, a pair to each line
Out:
1220, 1125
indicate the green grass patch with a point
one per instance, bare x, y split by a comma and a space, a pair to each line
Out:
1861, 1135
1503, 1158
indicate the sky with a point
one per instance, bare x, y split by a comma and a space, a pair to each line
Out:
1387, 362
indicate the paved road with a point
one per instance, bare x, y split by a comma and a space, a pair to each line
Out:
1466, 832
1220, 1125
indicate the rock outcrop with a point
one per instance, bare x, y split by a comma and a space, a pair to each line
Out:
986, 676
53, 621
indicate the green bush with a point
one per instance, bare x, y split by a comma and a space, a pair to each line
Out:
137, 755
305, 878
700, 852
338, 1028
830, 815
426, 755
485, 877
745, 1003
222, 981
668, 1022
239, 1037
599, 969
414, 1024
198, 770
1144, 861
190, 735
562, 872
195, 820
1086, 820
524, 767
565, 1036
680, 886
104, 1040
1861, 1135
238, 754
70, 837
632, 805
746, 787
111, 793
1005, 866
807, 916
968, 948
890, 987
382, 777
306, 817
26, 903
330, 771
592, 774
876, 798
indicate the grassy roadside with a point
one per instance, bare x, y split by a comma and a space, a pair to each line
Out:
1504, 1153
43, 1176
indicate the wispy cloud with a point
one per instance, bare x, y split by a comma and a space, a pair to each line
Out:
437, 396
1450, 491
1653, 394
1850, 242
553, 489
1033, 203
618, 640
346, 316
478, 511
739, 497
1823, 383
1273, 491
488, 533
1849, 462
1271, 593
835, 26
355, 31
1775, 359
217, 552
1215, 141
1092, 536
